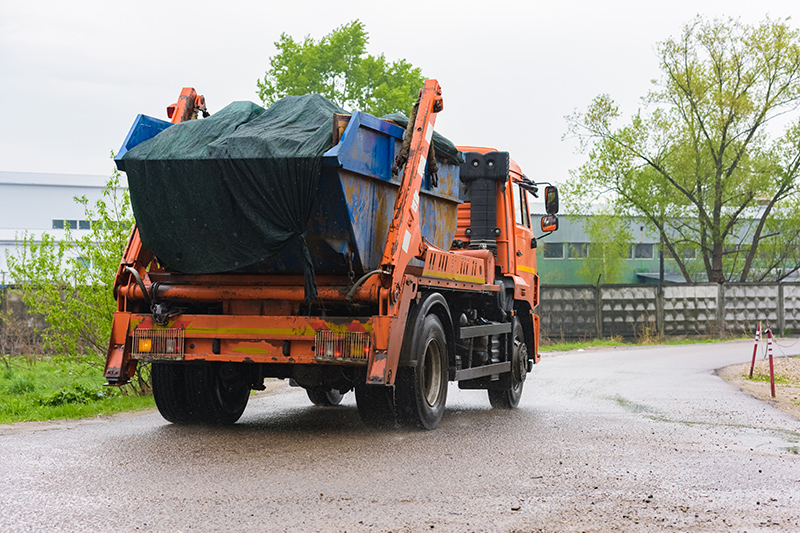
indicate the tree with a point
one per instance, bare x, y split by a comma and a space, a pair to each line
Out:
713, 159
610, 243
70, 282
339, 68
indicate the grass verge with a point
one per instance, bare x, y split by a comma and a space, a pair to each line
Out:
617, 341
56, 388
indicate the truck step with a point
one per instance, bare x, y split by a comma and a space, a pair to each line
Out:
481, 371
492, 328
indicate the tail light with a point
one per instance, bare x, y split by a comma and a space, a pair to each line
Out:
347, 346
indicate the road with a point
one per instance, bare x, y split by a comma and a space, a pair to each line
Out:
628, 439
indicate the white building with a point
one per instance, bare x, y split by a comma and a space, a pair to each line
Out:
37, 203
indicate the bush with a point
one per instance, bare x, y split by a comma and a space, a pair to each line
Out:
77, 394
70, 282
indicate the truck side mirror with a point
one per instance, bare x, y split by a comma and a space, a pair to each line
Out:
549, 223
551, 200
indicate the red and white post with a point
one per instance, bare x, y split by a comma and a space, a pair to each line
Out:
755, 349
771, 368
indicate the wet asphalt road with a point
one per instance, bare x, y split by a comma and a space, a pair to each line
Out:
642, 439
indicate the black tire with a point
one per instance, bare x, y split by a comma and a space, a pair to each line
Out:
508, 398
200, 393
325, 398
422, 389
218, 392
376, 405
169, 392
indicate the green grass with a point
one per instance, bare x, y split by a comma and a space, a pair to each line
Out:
757, 376
617, 341
56, 388
565, 346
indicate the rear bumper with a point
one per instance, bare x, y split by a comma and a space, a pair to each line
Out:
230, 338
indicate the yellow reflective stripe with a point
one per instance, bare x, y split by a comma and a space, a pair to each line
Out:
456, 277
294, 332
526, 269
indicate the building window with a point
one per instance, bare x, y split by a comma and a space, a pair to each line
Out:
578, 250
643, 250
553, 250
73, 224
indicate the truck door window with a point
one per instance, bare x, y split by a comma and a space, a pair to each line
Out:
526, 216
521, 215
517, 204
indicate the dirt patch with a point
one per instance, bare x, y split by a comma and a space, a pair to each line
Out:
787, 386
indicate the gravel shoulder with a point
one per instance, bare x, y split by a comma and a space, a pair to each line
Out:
787, 394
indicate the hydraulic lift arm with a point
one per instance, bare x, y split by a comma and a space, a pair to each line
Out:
136, 258
404, 240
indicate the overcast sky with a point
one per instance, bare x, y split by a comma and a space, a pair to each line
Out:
74, 74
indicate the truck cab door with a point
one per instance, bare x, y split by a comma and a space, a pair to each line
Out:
524, 254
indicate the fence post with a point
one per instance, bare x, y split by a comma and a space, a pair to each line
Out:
781, 311
721, 310
598, 311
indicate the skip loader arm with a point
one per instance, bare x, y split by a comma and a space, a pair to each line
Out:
120, 367
403, 242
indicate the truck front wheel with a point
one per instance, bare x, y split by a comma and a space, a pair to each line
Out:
508, 398
422, 389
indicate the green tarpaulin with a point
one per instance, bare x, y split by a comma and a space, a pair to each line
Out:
226, 192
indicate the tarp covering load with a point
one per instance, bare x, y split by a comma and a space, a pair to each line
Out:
226, 192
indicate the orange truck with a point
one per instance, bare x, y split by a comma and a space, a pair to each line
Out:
424, 272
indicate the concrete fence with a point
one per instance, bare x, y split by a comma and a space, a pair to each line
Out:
630, 311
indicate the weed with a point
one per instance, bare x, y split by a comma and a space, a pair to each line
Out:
76, 393
758, 376
20, 385
51, 388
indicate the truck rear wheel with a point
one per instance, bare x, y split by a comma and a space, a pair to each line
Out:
325, 398
422, 389
169, 392
218, 392
509, 398
200, 393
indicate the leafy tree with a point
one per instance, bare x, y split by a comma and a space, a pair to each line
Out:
712, 160
70, 282
610, 242
339, 68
